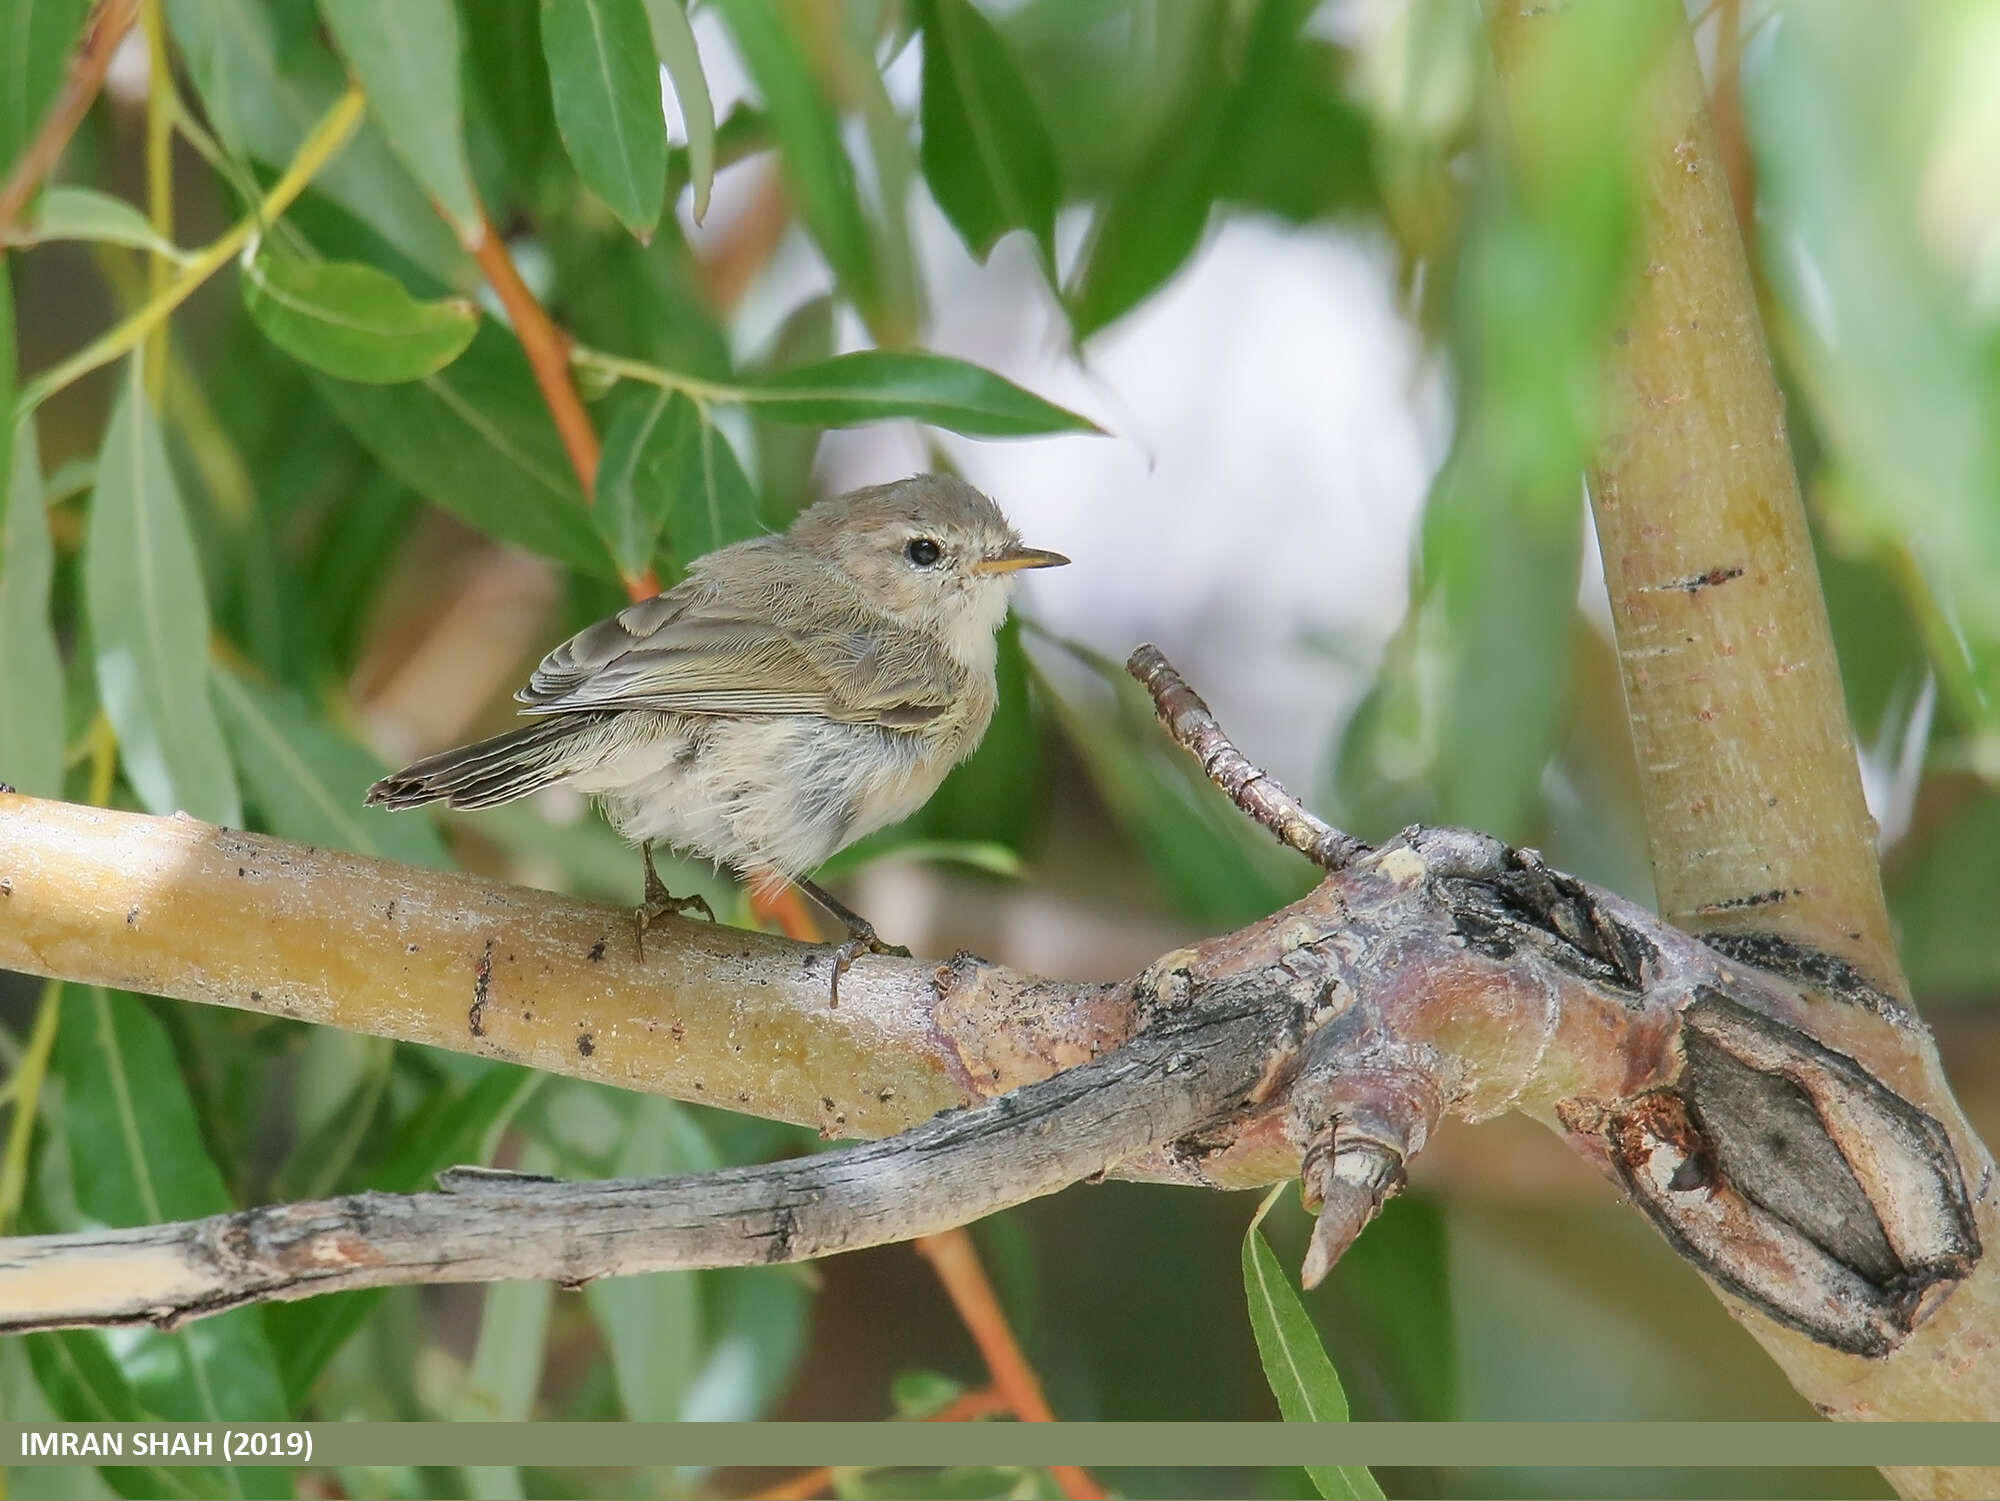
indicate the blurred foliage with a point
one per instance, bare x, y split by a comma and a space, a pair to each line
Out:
245, 560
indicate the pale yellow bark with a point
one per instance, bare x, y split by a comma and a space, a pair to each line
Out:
1752, 790
1748, 772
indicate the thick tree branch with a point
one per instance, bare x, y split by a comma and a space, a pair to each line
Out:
1747, 768
1445, 973
1187, 1072
1760, 837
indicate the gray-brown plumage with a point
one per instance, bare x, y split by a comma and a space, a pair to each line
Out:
794, 693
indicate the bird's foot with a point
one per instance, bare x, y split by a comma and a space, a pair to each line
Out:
861, 935
660, 901
861, 939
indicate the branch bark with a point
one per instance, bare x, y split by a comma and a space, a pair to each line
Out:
1752, 790
1760, 837
1444, 973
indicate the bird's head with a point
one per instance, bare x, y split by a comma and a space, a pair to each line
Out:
929, 551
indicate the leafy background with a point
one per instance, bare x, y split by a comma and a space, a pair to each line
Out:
1348, 369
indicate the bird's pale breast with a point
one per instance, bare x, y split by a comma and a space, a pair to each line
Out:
770, 793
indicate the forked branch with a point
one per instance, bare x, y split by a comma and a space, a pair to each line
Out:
1445, 973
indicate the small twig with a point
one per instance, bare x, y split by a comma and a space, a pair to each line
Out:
113, 18
956, 1261
787, 909
548, 351
159, 180
26, 1085
319, 147
1258, 794
967, 1407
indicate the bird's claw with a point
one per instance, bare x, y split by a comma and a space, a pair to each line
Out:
659, 902
861, 940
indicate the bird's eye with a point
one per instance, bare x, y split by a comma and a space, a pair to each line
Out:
923, 552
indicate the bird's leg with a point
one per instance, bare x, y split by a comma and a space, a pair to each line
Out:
861, 935
660, 901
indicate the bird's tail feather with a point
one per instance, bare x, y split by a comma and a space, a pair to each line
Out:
496, 770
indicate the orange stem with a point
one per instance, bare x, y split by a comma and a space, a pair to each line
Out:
787, 909
547, 348
807, 1484
956, 1262
112, 19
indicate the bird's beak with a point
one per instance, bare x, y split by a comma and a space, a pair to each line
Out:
1020, 557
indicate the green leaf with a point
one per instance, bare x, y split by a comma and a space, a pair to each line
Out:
784, 452
406, 54
606, 89
754, 1320
983, 855
309, 781
149, 623
818, 171
986, 151
917, 1394
451, 1127
713, 503
476, 438
1154, 218
1942, 896
510, 128
1393, 1300
82, 1383
65, 212
652, 1324
265, 78
137, 1158
632, 483
31, 686
1209, 859
666, 468
1295, 1363
1297, 145
872, 384
36, 39
673, 39
1501, 567
353, 321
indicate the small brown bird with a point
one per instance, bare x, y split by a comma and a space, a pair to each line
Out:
792, 694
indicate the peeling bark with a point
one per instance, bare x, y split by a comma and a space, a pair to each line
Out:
1760, 837
1444, 974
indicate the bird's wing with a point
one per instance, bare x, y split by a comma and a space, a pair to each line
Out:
697, 650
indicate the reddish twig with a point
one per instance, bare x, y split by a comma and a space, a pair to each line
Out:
1193, 727
956, 1261
108, 25
986, 1403
547, 348
787, 909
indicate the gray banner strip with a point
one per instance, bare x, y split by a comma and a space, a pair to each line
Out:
1101, 1445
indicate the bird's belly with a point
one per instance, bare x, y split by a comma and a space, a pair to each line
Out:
777, 794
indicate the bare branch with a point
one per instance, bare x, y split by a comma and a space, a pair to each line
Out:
1185, 1073
1444, 974
1253, 790
108, 25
